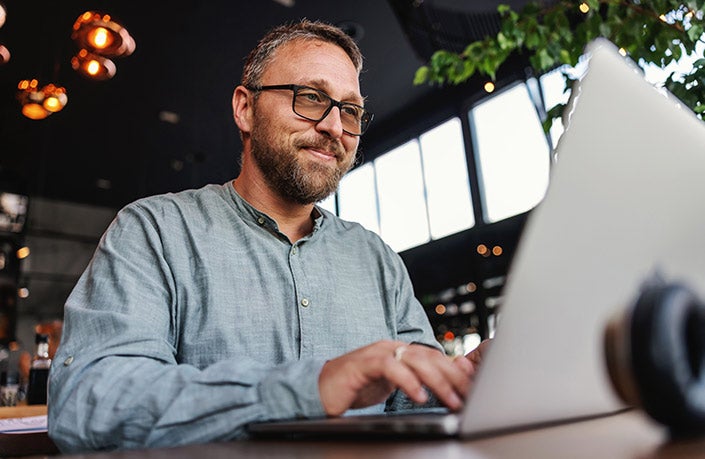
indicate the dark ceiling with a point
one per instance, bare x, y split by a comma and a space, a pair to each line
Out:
110, 145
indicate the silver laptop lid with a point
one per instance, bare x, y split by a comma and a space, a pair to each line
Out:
626, 198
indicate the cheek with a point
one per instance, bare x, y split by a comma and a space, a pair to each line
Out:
350, 143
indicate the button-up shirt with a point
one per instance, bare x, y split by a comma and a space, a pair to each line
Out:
197, 316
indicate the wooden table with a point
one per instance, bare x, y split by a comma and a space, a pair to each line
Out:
625, 435
12, 445
7, 412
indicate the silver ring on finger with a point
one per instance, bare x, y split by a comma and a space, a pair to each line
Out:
399, 353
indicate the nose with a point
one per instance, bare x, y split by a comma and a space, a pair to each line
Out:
331, 124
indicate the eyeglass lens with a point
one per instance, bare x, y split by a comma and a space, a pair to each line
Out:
315, 105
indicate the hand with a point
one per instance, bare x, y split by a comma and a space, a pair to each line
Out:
476, 355
368, 376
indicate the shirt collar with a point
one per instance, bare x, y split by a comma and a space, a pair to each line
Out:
246, 210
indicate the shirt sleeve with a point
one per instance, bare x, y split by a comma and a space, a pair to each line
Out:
116, 381
412, 326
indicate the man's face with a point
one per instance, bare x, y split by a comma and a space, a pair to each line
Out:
304, 160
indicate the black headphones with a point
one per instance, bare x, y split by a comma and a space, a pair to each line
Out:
655, 352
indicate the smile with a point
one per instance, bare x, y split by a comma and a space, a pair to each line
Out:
322, 154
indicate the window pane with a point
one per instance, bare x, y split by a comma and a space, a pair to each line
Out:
446, 174
357, 201
328, 203
553, 87
403, 220
512, 153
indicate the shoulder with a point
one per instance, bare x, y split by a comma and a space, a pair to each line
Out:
335, 224
196, 198
353, 234
187, 205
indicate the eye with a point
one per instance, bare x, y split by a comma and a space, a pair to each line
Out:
311, 96
352, 110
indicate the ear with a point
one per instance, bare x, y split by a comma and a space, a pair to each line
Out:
242, 109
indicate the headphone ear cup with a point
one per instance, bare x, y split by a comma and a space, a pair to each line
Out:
663, 337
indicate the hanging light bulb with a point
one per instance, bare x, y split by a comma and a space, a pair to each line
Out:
100, 38
93, 65
55, 98
38, 103
99, 33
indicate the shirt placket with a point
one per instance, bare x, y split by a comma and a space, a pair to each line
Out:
304, 301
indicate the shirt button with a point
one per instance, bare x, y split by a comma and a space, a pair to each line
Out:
305, 302
293, 251
68, 361
260, 220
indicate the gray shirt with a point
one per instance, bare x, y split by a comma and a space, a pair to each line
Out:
196, 316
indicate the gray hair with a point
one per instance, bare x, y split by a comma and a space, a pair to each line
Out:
263, 53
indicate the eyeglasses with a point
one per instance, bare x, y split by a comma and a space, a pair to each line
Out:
314, 105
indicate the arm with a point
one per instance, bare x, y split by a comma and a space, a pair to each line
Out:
369, 375
117, 379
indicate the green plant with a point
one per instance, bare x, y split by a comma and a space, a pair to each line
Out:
555, 33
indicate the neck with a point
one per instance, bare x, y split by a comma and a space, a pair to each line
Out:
293, 219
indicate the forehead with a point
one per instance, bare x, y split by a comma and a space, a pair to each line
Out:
307, 61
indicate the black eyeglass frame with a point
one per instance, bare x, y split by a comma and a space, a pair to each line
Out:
365, 119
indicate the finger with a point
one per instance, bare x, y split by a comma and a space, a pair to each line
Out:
402, 376
437, 372
464, 365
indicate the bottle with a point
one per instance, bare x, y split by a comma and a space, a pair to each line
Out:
39, 372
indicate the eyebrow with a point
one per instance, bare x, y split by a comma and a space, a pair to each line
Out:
325, 87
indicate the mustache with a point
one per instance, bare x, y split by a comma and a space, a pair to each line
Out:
322, 143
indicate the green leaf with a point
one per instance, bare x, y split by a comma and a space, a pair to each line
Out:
532, 40
553, 113
503, 9
605, 30
504, 42
565, 57
695, 32
594, 5
545, 60
421, 75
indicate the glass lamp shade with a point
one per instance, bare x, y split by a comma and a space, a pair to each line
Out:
99, 34
55, 98
35, 111
93, 65
4, 55
39, 103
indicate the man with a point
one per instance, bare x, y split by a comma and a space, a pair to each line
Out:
206, 310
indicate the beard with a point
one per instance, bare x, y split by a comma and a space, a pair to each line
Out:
289, 172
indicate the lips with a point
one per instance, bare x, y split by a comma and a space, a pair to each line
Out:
323, 150
326, 155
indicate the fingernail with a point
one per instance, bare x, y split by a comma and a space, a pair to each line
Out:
455, 402
422, 396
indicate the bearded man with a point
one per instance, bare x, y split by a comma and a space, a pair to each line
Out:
205, 310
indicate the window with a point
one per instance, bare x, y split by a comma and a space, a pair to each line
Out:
512, 153
446, 177
414, 193
553, 89
403, 220
328, 203
357, 197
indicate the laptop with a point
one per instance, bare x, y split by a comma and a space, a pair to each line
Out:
625, 200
